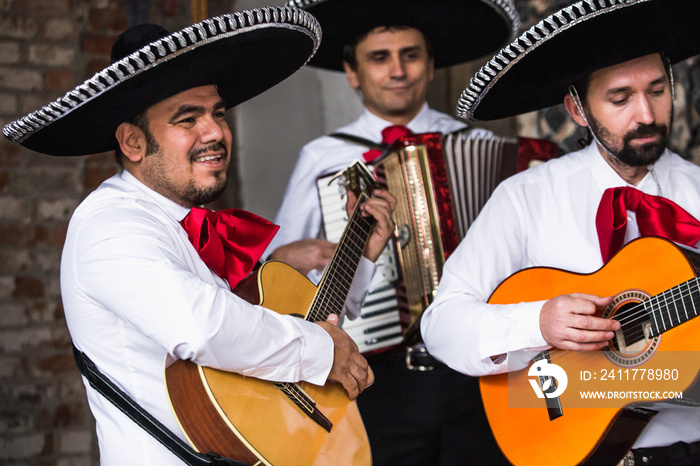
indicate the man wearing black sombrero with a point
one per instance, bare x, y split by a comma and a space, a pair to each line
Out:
419, 412
609, 62
145, 272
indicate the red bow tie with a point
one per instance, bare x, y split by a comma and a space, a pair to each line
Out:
656, 216
229, 241
389, 135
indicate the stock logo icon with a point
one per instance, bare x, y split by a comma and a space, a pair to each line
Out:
550, 380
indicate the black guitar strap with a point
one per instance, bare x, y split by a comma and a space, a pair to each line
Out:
140, 416
360, 141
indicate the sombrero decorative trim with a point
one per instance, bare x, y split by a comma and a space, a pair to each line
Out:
588, 35
262, 24
459, 30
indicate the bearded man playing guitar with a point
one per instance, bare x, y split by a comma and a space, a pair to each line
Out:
609, 62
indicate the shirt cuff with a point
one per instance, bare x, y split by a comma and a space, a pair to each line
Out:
521, 332
365, 279
316, 355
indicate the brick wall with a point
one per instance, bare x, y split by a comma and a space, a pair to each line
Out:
46, 48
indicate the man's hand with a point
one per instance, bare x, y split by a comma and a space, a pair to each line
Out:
380, 206
568, 322
305, 254
350, 368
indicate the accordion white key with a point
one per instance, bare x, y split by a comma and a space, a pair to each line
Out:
441, 182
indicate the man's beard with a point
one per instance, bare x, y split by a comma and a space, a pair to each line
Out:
641, 156
199, 196
190, 194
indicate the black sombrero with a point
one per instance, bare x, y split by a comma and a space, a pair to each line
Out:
536, 69
243, 54
459, 30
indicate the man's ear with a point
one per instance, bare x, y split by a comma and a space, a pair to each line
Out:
132, 141
351, 75
573, 110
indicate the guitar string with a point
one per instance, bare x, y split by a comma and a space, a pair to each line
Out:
635, 311
328, 298
322, 304
332, 295
682, 296
670, 295
342, 281
328, 294
303, 398
295, 393
663, 312
639, 309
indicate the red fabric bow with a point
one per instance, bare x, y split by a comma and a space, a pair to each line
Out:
656, 216
229, 241
389, 135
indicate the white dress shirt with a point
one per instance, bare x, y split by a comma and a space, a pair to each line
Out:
544, 216
136, 291
300, 214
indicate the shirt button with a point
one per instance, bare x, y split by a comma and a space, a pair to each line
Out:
305, 375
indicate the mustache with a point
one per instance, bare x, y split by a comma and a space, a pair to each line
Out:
644, 131
214, 147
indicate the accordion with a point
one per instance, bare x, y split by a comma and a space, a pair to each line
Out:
441, 182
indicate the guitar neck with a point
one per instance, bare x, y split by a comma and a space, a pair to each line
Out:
673, 307
335, 284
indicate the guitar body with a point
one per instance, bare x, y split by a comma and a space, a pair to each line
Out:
252, 420
588, 435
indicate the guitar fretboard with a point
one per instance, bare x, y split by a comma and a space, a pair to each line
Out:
335, 284
673, 307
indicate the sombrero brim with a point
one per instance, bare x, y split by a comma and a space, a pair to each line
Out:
459, 30
243, 54
536, 69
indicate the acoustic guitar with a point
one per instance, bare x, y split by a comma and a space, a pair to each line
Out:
262, 422
656, 300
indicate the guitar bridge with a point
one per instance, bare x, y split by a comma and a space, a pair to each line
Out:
304, 402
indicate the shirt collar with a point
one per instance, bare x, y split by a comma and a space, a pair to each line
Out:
606, 177
173, 208
374, 124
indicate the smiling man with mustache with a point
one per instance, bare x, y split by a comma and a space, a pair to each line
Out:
136, 286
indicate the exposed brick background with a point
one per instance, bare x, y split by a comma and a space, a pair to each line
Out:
47, 47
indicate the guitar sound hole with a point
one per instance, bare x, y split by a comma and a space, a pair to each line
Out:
631, 338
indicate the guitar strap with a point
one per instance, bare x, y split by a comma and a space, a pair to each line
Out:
360, 141
103, 385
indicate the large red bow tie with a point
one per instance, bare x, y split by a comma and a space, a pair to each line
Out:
389, 135
229, 241
656, 216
